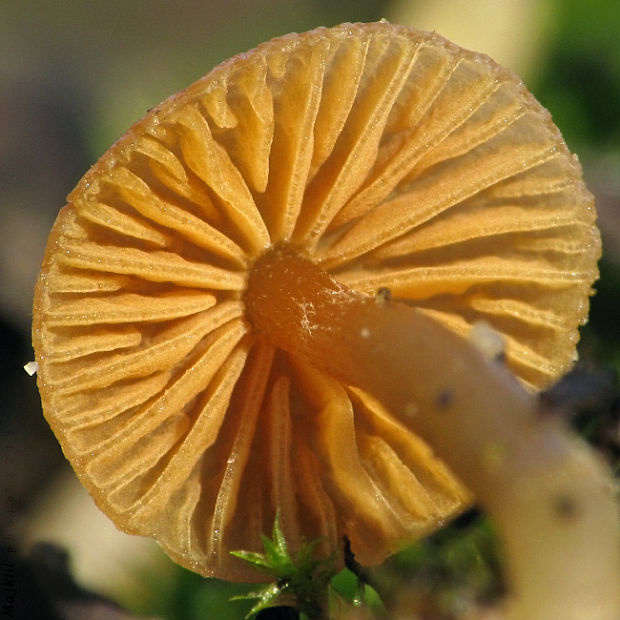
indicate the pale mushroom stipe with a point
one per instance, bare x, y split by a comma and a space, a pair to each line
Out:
261, 300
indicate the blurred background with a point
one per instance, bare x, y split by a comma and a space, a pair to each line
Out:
74, 74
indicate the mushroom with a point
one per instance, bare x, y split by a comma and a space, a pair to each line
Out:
278, 292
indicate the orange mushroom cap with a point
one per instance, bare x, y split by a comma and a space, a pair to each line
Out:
387, 156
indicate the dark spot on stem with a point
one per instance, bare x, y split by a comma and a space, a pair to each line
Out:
565, 506
383, 295
500, 358
445, 398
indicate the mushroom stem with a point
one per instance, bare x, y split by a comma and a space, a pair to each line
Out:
553, 502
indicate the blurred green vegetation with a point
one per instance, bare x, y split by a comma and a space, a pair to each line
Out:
579, 79
184, 595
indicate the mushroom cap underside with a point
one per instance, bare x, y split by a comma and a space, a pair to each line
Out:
388, 156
